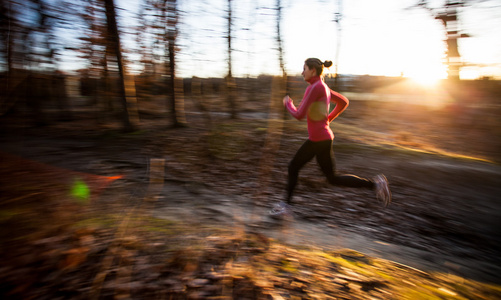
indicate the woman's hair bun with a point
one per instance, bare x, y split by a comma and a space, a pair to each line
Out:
327, 63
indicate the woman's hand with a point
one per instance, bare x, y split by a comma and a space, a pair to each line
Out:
287, 99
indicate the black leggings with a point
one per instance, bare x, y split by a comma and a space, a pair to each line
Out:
325, 157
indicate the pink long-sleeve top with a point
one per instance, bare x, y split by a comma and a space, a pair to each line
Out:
315, 106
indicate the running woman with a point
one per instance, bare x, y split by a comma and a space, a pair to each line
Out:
315, 107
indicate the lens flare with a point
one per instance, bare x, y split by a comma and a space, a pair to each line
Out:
80, 191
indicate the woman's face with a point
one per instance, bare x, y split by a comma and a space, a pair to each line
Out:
308, 73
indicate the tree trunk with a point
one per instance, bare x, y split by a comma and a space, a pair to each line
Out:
126, 88
283, 82
230, 81
170, 18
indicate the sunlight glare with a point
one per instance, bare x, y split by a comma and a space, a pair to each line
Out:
425, 80
426, 77
469, 73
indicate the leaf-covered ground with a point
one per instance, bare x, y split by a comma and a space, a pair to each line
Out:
80, 218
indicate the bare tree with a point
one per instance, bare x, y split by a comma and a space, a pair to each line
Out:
230, 81
175, 86
282, 85
126, 86
338, 16
279, 39
164, 30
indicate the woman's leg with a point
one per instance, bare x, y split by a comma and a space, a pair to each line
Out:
305, 153
326, 160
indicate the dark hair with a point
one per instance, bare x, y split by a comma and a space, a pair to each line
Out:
317, 64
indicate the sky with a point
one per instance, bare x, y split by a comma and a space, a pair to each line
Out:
376, 37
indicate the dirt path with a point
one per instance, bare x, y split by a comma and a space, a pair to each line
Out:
189, 202
444, 216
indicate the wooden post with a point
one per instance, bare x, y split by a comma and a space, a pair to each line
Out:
157, 173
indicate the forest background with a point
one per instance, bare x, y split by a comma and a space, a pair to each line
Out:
98, 103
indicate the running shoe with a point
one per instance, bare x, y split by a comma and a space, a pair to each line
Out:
382, 189
281, 210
